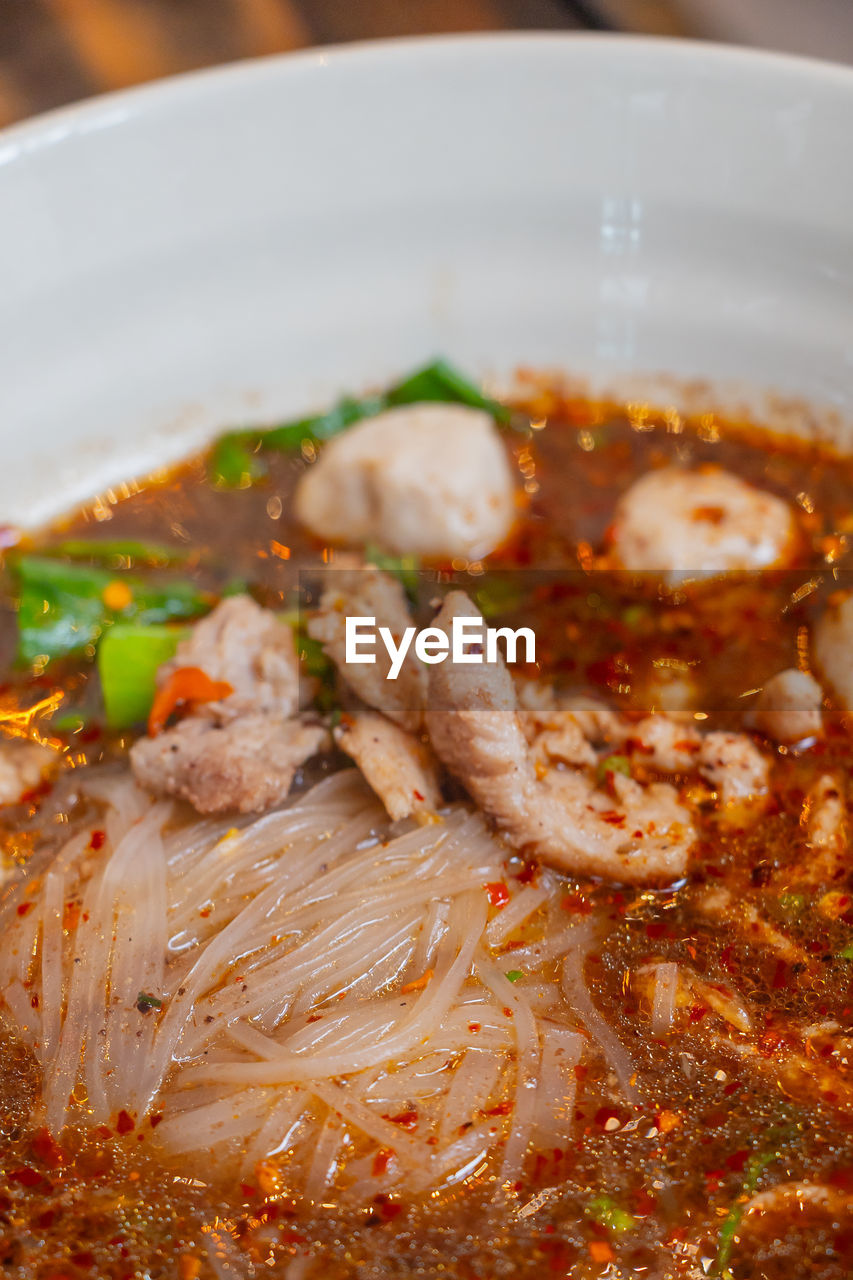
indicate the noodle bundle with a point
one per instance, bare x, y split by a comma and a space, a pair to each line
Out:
314, 998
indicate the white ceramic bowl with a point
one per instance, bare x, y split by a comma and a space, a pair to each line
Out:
250, 241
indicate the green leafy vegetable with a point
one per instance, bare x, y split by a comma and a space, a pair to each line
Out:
234, 463
846, 953
289, 436
514, 975
604, 1210
440, 381
111, 551
128, 658
64, 607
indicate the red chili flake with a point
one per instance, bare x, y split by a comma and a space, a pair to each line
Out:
85, 1259
733, 1087
26, 1177
34, 1002
603, 1114
637, 835
576, 902
381, 1161
24, 907
498, 893
508, 1013
714, 1178
46, 1219
528, 873
473, 1027
103, 1132
390, 1210
737, 1160
418, 796
780, 975
697, 1013
769, 1043
580, 1072
97, 839
125, 1123
614, 817
502, 1109
45, 1148
154, 1121
205, 912
726, 958
406, 1119
656, 929
247, 1191
642, 1203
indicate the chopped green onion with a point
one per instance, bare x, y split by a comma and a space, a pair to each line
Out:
792, 904
846, 953
404, 568
610, 765
110, 551
146, 1002
604, 1210
63, 607
69, 722
514, 975
498, 596
635, 615
129, 656
754, 1168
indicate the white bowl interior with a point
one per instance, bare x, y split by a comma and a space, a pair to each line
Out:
247, 243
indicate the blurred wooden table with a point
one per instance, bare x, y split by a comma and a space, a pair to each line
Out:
58, 51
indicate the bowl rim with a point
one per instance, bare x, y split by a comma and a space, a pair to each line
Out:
50, 128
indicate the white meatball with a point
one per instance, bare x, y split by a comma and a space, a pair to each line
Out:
833, 649
680, 523
426, 479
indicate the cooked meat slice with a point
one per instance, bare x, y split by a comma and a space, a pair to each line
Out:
684, 524
833, 649
239, 753
22, 766
642, 836
788, 709
369, 593
734, 766
399, 768
250, 648
425, 479
246, 764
